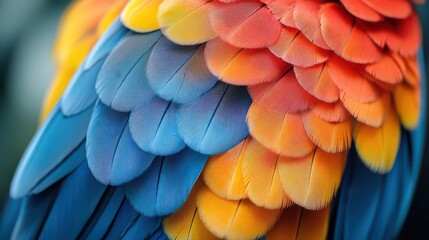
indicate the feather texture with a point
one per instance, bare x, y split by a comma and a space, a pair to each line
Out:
113, 156
164, 187
184, 77
215, 122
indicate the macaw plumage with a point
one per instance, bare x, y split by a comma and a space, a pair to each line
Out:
206, 119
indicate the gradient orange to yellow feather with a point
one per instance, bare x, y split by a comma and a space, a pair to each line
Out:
322, 75
78, 31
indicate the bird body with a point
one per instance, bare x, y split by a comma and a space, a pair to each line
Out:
198, 119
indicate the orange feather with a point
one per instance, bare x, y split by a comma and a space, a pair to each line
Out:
281, 133
345, 37
392, 9
388, 70
223, 172
313, 180
261, 174
350, 80
294, 48
331, 112
297, 223
186, 223
318, 82
331, 137
243, 66
234, 219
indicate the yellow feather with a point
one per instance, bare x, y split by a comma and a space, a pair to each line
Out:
407, 103
299, 223
186, 223
234, 219
260, 170
313, 180
186, 22
141, 15
222, 173
377, 147
110, 16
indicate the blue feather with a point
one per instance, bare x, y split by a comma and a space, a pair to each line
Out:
106, 43
158, 235
105, 214
125, 215
9, 217
184, 77
80, 94
70, 162
51, 145
33, 212
113, 156
165, 186
216, 121
121, 83
75, 202
153, 127
141, 228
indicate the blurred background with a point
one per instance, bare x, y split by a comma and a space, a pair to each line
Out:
27, 33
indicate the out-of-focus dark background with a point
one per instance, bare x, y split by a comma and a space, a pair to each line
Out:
27, 32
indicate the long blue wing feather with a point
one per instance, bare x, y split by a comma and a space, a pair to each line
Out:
165, 186
53, 142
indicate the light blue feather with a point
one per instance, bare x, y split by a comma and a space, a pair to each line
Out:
216, 121
80, 93
165, 186
51, 145
9, 217
179, 73
153, 127
113, 156
71, 162
105, 44
33, 212
121, 83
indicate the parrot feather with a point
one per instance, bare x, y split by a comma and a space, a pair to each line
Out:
184, 77
241, 66
229, 182
260, 172
245, 24
153, 126
119, 84
281, 133
142, 227
164, 187
313, 180
216, 121
186, 223
113, 156
175, 17
299, 223
65, 133
238, 219
141, 16
294, 48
